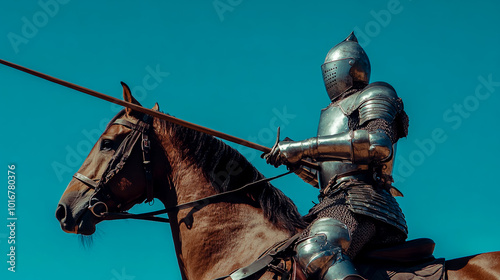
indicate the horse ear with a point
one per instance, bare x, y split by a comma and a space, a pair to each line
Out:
127, 96
156, 107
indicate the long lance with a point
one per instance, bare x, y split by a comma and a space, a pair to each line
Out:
149, 111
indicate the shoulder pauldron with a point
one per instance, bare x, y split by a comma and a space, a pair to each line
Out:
376, 101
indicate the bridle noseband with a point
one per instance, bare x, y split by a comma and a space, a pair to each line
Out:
139, 130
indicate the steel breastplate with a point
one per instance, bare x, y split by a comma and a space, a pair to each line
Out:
334, 120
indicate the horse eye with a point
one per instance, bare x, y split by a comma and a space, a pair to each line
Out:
106, 145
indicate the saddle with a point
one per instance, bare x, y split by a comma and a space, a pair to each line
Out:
411, 260
408, 261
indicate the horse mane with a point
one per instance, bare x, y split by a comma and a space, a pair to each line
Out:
227, 169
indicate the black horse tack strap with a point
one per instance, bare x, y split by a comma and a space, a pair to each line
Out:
140, 130
151, 216
265, 261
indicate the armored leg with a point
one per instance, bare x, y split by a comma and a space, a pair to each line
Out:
321, 254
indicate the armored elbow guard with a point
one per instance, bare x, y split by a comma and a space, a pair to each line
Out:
380, 149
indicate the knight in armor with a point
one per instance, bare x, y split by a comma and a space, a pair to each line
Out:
355, 149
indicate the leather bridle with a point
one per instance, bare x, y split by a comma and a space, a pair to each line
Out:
140, 130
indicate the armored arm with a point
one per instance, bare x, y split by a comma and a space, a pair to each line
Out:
371, 138
359, 146
305, 173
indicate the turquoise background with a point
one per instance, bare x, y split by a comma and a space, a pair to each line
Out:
231, 65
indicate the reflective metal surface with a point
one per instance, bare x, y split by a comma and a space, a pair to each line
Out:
379, 205
345, 64
321, 254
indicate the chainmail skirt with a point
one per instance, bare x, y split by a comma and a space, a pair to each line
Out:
366, 233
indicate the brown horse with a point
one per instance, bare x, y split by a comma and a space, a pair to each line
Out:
210, 240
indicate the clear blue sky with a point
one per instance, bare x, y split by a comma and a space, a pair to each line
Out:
235, 66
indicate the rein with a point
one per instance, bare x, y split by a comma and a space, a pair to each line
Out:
151, 216
141, 130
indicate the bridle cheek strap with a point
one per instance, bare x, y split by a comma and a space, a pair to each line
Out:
120, 157
139, 130
146, 163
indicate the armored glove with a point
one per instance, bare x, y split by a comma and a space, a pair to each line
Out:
284, 152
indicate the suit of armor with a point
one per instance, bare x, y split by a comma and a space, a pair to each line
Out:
354, 148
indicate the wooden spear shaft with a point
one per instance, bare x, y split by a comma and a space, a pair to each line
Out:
149, 111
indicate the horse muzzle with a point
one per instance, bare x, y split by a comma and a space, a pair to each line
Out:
81, 220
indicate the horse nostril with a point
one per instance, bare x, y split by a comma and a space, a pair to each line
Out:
60, 213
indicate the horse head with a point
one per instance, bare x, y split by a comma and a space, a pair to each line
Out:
109, 179
138, 158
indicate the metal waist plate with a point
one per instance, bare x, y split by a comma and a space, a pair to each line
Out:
379, 205
328, 170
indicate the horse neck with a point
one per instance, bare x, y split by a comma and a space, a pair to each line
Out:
215, 239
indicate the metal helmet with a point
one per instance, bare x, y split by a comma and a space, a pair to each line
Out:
345, 64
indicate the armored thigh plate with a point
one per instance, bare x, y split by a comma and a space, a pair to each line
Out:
323, 250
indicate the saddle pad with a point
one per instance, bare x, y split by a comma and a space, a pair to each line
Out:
433, 270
